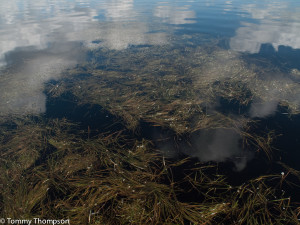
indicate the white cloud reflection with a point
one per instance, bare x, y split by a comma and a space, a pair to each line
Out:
119, 9
35, 28
220, 145
118, 36
22, 89
175, 14
277, 25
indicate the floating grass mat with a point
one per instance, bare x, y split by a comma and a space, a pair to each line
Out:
101, 180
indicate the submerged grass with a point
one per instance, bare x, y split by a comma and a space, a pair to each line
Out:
183, 88
52, 168
101, 180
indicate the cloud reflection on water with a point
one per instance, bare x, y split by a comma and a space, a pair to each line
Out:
220, 145
117, 10
175, 14
34, 29
277, 25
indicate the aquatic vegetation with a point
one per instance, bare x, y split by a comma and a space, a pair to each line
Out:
191, 92
113, 179
58, 169
153, 124
183, 88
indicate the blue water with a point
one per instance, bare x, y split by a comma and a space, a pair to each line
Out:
246, 24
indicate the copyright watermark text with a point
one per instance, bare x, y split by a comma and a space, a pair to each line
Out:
33, 221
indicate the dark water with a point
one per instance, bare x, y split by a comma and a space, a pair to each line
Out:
40, 40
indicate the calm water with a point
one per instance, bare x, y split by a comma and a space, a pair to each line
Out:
40, 40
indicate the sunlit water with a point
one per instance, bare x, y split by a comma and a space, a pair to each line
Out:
42, 39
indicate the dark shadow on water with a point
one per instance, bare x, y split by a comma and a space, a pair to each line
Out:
285, 58
234, 107
287, 142
92, 118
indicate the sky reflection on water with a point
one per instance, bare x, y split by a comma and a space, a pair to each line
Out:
37, 24
277, 24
